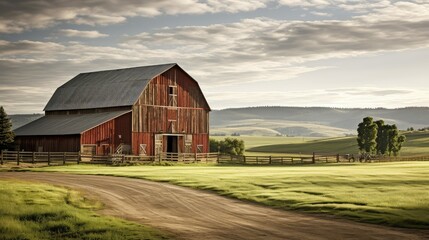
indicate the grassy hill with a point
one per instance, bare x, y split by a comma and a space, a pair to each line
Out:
417, 143
309, 121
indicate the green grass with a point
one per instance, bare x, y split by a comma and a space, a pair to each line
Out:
395, 194
40, 211
417, 144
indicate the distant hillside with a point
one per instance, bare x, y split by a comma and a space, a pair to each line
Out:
19, 120
309, 121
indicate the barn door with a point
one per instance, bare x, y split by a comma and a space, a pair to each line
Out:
142, 149
188, 143
200, 148
158, 144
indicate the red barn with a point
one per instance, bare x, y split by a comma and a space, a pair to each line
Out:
143, 110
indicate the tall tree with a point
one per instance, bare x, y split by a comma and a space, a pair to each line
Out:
367, 135
6, 134
381, 138
395, 140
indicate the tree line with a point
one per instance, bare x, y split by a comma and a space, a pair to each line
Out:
376, 137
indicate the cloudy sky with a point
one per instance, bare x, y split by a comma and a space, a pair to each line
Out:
335, 53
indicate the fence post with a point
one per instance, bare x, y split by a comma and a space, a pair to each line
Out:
64, 158
123, 158
244, 159
79, 157
314, 158
1, 160
270, 160
338, 158
217, 157
17, 158
195, 155
33, 157
49, 158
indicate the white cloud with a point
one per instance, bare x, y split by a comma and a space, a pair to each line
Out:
228, 55
82, 34
17, 16
358, 97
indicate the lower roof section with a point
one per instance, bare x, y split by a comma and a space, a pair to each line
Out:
66, 124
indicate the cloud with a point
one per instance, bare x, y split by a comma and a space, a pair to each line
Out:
248, 51
325, 98
266, 40
371, 91
82, 34
18, 16
357, 6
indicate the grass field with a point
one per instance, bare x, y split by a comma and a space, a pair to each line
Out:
40, 211
395, 194
417, 144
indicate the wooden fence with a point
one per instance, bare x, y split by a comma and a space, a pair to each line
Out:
283, 160
62, 158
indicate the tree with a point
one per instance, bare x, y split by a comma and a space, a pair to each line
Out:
367, 135
395, 141
6, 134
231, 146
379, 137
214, 145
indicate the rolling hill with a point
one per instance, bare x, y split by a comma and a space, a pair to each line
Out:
416, 144
309, 121
295, 121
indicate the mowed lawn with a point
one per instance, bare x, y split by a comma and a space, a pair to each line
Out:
41, 211
395, 194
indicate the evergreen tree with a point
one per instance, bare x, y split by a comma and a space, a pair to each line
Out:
6, 134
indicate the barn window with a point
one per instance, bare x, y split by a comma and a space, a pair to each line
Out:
172, 95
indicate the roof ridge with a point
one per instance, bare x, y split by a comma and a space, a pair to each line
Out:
129, 68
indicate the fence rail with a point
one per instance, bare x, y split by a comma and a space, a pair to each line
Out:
58, 158
62, 158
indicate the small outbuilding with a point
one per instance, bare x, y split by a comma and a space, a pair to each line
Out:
142, 111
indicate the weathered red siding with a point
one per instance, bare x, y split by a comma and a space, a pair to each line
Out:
154, 114
143, 138
68, 143
108, 133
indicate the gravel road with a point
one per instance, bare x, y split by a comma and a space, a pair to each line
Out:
192, 214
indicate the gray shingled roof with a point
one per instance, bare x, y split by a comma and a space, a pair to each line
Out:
66, 124
111, 88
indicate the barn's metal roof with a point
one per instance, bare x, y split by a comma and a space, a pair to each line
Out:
66, 124
111, 88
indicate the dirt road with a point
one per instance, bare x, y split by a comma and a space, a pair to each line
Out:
193, 214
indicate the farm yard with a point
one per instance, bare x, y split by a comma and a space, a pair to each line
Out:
391, 197
385, 193
185, 213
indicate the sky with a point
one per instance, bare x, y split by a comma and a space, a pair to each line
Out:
329, 53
